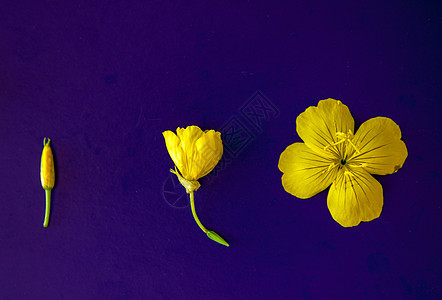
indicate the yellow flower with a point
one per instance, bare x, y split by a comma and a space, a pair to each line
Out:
332, 155
195, 153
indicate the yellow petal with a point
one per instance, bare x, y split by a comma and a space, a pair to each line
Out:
317, 126
305, 172
209, 148
175, 151
381, 149
354, 197
188, 137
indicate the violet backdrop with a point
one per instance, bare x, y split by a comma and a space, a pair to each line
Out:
103, 79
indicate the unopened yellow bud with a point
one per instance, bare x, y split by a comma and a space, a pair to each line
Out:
47, 170
47, 176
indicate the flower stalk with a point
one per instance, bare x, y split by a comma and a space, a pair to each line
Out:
197, 220
48, 208
210, 234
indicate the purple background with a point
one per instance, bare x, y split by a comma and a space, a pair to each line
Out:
103, 80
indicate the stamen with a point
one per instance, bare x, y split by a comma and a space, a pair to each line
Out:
330, 166
353, 145
343, 137
334, 144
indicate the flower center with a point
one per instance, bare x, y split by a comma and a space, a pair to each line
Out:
343, 139
342, 150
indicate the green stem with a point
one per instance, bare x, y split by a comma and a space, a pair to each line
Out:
192, 205
210, 234
48, 208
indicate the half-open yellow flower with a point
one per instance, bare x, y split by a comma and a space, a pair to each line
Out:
195, 153
332, 155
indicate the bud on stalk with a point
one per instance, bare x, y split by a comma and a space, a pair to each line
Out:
47, 176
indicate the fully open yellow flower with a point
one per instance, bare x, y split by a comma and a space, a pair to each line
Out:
195, 153
332, 155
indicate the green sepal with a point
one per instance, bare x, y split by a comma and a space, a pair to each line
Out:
189, 185
214, 236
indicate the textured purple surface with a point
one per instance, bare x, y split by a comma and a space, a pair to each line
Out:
103, 80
